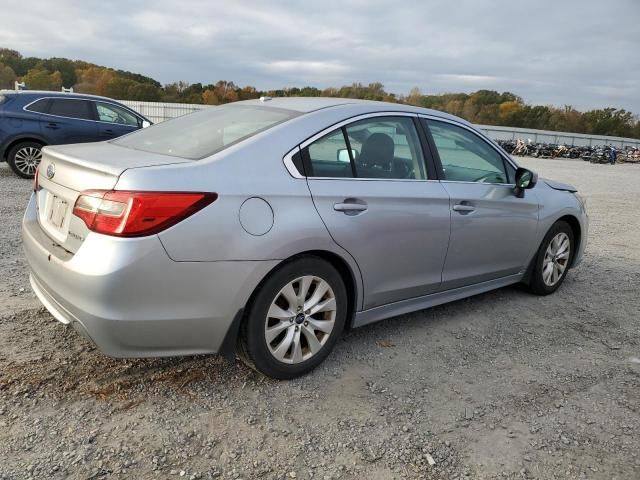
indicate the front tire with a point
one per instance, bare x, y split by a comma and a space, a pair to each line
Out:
295, 319
553, 259
24, 158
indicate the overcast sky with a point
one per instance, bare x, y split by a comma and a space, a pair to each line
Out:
582, 53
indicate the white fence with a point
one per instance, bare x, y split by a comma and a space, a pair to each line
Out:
557, 138
159, 112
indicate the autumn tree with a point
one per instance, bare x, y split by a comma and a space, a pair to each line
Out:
483, 106
40, 79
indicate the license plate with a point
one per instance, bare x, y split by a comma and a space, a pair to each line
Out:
58, 212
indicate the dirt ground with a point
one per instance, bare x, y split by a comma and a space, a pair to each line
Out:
502, 385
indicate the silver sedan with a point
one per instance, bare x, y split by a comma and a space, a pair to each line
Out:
267, 227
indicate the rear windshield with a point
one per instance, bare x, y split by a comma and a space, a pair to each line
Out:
201, 134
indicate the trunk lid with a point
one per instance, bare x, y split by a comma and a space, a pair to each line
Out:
67, 170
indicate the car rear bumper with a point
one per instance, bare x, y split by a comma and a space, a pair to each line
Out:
131, 299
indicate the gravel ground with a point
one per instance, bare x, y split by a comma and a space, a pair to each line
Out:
502, 385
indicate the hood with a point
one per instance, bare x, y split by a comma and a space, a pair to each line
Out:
560, 186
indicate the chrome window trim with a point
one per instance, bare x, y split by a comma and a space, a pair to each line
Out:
479, 183
25, 108
293, 171
478, 134
344, 179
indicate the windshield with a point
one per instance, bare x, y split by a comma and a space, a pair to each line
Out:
203, 133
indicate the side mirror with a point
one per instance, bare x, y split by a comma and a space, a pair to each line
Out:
343, 155
146, 123
524, 179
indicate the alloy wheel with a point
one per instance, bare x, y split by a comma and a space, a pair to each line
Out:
556, 259
27, 159
300, 319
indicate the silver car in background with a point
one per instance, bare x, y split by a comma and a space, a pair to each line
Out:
267, 227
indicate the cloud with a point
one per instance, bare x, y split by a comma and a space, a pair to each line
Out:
301, 67
548, 52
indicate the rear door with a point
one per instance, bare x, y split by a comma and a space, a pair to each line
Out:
370, 185
69, 120
492, 230
31, 122
114, 120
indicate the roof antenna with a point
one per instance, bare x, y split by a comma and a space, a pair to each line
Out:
265, 99
19, 85
67, 90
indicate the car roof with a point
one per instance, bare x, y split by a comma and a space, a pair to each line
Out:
46, 93
312, 104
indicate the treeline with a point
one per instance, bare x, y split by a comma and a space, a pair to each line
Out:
483, 107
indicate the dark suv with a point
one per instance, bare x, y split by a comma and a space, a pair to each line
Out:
30, 120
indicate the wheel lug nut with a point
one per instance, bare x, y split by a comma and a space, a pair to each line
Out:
306, 324
291, 320
297, 328
307, 312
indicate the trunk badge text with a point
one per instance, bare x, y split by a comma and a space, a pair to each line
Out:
51, 171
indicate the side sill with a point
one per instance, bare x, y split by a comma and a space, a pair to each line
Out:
372, 315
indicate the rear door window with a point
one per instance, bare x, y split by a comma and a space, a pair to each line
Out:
387, 147
71, 108
373, 148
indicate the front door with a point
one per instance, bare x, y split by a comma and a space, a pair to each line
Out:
492, 230
370, 185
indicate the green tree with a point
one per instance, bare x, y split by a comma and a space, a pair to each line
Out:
66, 68
7, 76
144, 92
610, 121
118, 88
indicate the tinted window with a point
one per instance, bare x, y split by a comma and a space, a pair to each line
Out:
386, 147
328, 156
465, 157
115, 114
39, 106
68, 107
205, 132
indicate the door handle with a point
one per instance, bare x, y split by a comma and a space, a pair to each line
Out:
52, 126
349, 207
462, 208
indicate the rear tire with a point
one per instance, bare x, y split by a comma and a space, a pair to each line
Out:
553, 259
24, 158
295, 319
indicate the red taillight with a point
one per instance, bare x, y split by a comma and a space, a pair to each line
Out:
136, 214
